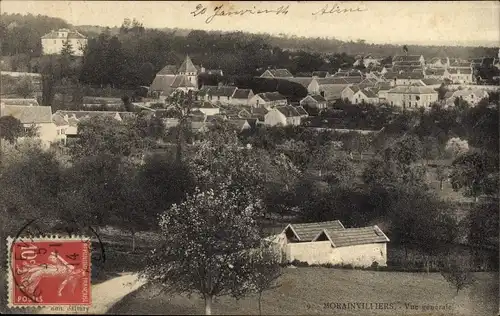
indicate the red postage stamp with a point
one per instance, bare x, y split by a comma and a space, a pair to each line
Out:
49, 271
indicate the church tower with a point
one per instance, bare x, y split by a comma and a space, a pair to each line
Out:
189, 70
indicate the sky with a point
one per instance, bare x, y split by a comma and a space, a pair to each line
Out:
401, 22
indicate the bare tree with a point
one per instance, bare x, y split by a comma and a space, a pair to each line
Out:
457, 272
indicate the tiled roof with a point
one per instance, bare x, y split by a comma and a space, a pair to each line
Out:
304, 81
187, 66
259, 113
242, 93
462, 71
353, 79
307, 231
168, 70
410, 75
383, 86
320, 74
369, 93
333, 91
279, 73
288, 111
271, 96
301, 110
331, 80
28, 114
430, 82
182, 81
238, 124
477, 92
318, 98
222, 91
70, 34
435, 72
162, 83
90, 114
25, 102
400, 58
413, 90
356, 236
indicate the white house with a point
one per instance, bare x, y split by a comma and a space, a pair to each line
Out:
242, 97
412, 96
408, 78
332, 243
53, 42
268, 99
220, 94
277, 73
409, 59
459, 75
434, 73
472, 96
314, 101
206, 108
366, 95
329, 88
39, 117
283, 115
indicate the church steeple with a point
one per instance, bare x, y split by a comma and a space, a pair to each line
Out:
187, 67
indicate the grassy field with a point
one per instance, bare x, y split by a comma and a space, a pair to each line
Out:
311, 290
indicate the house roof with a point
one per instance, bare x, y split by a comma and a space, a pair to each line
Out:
320, 74
78, 115
168, 70
369, 93
280, 73
383, 86
163, 83
410, 75
238, 124
355, 236
430, 82
242, 93
413, 90
301, 110
70, 34
182, 81
187, 66
316, 97
333, 91
477, 92
271, 96
28, 114
448, 94
222, 91
435, 72
331, 80
25, 102
462, 71
304, 81
259, 113
288, 110
369, 81
399, 58
307, 231
204, 105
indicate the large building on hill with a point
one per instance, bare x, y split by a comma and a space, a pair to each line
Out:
171, 78
53, 42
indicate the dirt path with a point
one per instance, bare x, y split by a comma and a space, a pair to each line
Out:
106, 294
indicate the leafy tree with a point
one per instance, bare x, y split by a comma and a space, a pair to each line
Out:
267, 271
457, 272
430, 148
207, 252
456, 147
442, 91
10, 128
476, 174
333, 166
25, 87
107, 135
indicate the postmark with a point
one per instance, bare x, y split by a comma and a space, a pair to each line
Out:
49, 271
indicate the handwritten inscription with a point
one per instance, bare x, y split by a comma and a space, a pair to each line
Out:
336, 9
222, 11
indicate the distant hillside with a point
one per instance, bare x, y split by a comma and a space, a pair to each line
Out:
21, 34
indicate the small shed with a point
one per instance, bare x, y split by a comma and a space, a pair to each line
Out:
330, 242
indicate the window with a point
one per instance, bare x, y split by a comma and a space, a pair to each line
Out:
417, 98
228, 97
218, 98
